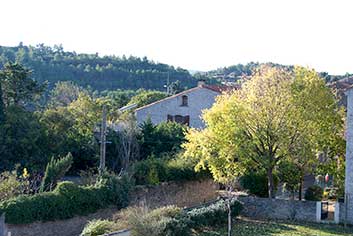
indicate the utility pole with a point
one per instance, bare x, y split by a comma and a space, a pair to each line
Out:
167, 85
103, 141
103, 135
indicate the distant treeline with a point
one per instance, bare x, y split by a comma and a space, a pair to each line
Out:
53, 64
235, 72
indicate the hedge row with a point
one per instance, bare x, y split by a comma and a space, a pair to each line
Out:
152, 171
66, 201
212, 215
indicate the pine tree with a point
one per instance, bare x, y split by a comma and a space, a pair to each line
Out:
2, 107
56, 169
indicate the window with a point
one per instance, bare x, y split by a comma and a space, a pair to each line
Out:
179, 119
184, 101
185, 120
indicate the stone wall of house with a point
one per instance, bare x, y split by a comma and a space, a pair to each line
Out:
349, 157
184, 194
198, 99
278, 209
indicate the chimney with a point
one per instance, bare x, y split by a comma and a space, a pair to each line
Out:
201, 82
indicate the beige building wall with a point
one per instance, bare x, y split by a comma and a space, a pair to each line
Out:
199, 98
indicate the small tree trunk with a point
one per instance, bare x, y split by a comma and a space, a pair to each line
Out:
229, 219
301, 189
230, 189
271, 187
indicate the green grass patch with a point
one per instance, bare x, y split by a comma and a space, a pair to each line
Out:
248, 227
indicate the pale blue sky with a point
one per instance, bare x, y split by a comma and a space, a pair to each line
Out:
198, 35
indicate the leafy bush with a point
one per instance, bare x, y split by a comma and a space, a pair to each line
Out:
55, 170
256, 183
313, 193
67, 200
153, 171
98, 227
9, 185
162, 138
88, 177
214, 214
152, 223
179, 169
12, 184
168, 221
290, 174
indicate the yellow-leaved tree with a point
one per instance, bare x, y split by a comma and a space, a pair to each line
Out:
277, 114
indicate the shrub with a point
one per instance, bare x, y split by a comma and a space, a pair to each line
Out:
88, 177
179, 169
116, 189
256, 183
212, 215
12, 184
141, 221
153, 171
162, 138
55, 170
9, 185
150, 171
66, 201
98, 227
313, 193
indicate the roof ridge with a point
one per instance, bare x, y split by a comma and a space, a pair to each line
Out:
176, 95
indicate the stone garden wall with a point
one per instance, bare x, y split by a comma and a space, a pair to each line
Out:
278, 209
172, 193
185, 194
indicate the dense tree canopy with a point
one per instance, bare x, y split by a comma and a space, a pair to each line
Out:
278, 114
146, 97
18, 88
162, 138
53, 64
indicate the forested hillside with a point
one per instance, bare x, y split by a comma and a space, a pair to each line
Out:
235, 72
53, 64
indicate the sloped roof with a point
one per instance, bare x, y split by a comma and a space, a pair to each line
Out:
215, 88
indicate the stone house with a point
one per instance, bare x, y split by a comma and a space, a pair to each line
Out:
185, 107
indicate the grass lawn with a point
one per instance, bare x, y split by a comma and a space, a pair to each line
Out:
248, 227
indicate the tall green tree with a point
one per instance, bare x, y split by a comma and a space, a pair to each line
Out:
146, 97
277, 114
22, 140
71, 129
18, 87
2, 106
162, 138
65, 92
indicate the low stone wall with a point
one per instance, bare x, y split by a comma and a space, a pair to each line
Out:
183, 194
124, 232
278, 209
343, 218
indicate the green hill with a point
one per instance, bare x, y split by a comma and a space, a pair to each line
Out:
53, 64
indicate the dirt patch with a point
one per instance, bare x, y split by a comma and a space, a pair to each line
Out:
69, 227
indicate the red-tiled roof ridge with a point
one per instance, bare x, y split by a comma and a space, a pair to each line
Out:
220, 88
214, 88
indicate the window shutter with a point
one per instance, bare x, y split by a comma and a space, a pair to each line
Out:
187, 120
169, 117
